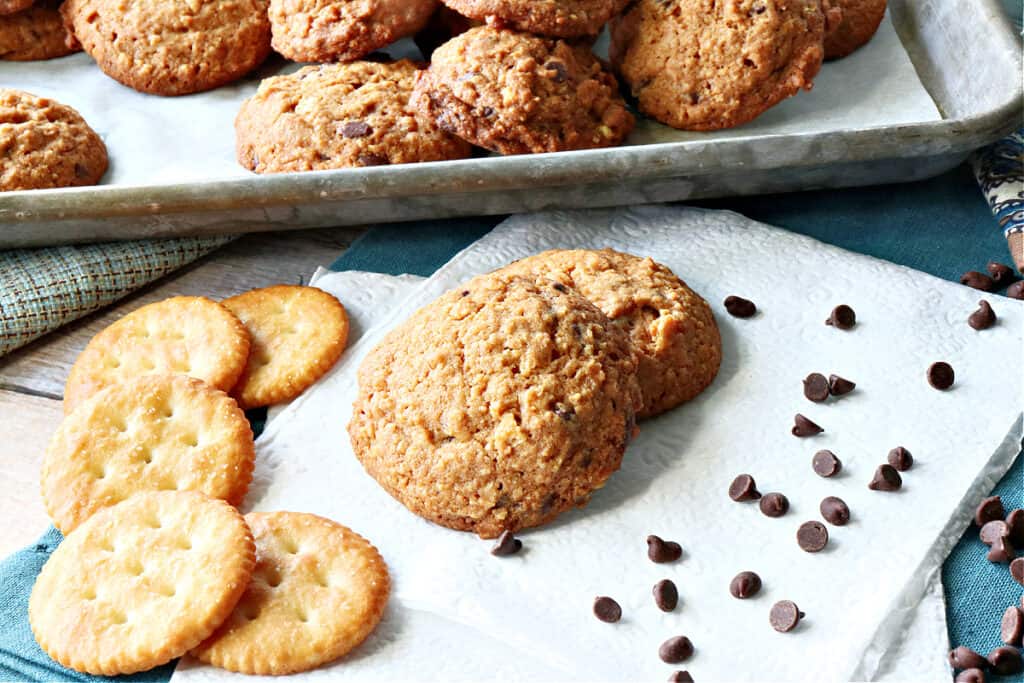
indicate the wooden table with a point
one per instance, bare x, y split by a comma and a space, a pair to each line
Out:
32, 378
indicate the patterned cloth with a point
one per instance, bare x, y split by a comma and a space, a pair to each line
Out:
1000, 172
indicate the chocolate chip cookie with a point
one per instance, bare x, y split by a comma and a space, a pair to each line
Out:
861, 19
498, 406
560, 18
516, 93
35, 33
678, 345
343, 30
45, 144
707, 64
336, 116
165, 48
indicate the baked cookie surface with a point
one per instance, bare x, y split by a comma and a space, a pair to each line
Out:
35, 33
337, 116
678, 344
498, 406
712, 64
45, 144
172, 48
515, 93
343, 30
12, 6
559, 18
860, 21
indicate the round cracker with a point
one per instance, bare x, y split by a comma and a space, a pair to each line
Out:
298, 333
141, 583
317, 592
190, 335
151, 433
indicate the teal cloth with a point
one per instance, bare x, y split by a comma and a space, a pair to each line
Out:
941, 226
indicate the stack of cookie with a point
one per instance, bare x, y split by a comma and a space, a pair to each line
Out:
143, 476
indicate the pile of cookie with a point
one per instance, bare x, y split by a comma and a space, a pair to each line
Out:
143, 476
508, 76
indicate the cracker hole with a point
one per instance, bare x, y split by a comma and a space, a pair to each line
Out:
184, 544
301, 616
106, 545
168, 591
321, 580
289, 546
118, 618
89, 593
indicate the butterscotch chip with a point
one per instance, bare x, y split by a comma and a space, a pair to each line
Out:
318, 591
297, 334
35, 33
141, 583
188, 335
150, 433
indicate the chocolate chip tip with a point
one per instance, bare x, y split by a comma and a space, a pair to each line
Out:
506, 545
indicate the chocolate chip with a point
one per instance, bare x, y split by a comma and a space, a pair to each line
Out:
371, 159
356, 129
1005, 661
966, 658
826, 464
488, 112
835, 511
680, 677
507, 544
983, 318
607, 610
663, 551
1017, 572
1001, 551
971, 676
785, 616
812, 536
837, 386
973, 278
843, 317
1016, 290
743, 489
676, 650
81, 171
1000, 273
1015, 526
1011, 628
774, 504
745, 585
739, 307
802, 426
989, 509
816, 387
886, 479
993, 531
666, 595
940, 375
561, 73
566, 414
901, 459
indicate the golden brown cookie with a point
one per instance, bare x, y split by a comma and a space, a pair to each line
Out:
35, 33
560, 18
707, 64
12, 6
343, 30
498, 406
141, 583
189, 335
317, 592
298, 334
516, 93
149, 433
172, 48
337, 116
860, 21
673, 329
45, 144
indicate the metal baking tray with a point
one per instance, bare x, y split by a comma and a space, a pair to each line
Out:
966, 54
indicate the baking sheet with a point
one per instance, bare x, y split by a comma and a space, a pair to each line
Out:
161, 141
858, 594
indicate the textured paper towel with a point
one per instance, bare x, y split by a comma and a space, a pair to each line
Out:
674, 478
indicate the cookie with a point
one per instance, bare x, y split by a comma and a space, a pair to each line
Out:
189, 335
706, 64
337, 116
515, 93
141, 583
45, 144
35, 33
149, 433
172, 48
559, 18
343, 30
678, 345
443, 25
498, 406
860, 21
317, 592
12, 6
297, 333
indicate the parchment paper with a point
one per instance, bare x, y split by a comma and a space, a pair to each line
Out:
859, 594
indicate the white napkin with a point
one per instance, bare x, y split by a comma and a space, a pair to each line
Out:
858, 594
